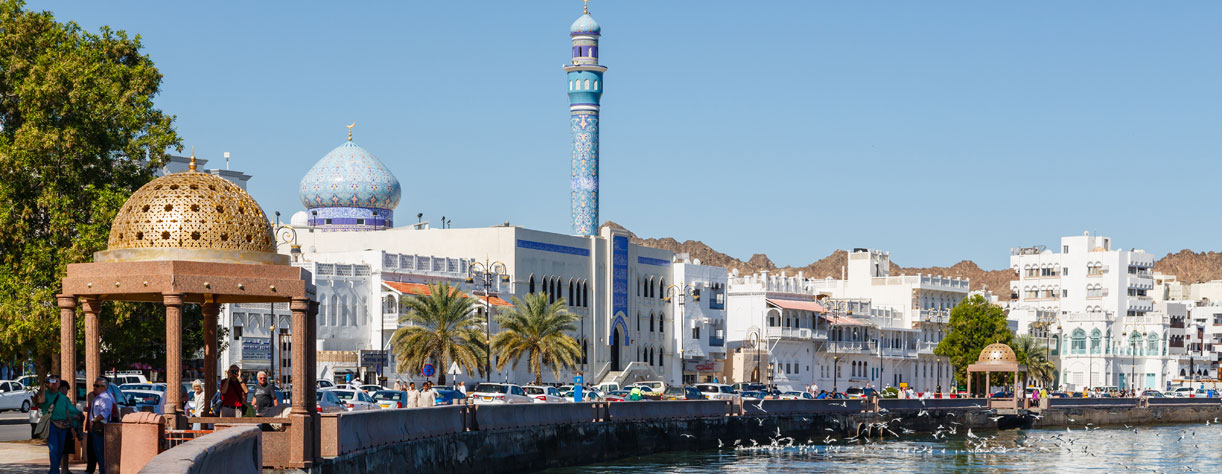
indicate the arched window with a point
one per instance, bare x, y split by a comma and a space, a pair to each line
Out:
662, 288
1134, 343
531, 283
1152, 344
638, 286
596, 84
1095, 337
587, 87
638, 321
585, 295
572, 301
650, 322
661, 323
1077, 343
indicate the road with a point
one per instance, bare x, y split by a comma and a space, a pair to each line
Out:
14, 426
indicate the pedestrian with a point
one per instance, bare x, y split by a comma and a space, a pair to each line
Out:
1035, 397
199, 402
462, 387
102, 410
635, 394
413, 396
428, 396
57, 408
233, 393
265, 396
74, 432
398, 385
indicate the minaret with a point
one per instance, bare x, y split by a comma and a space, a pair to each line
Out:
585, 92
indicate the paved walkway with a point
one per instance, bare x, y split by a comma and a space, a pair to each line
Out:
28, 457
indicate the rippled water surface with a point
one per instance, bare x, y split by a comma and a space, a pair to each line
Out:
1166, 448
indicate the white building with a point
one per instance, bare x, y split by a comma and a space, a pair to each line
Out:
870, 328
698, 298
1094, 303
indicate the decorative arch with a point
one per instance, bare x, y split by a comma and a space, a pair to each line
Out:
619, 322
531, 284
1077, 343
1095, 340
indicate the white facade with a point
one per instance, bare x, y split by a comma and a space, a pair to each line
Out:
874, 329
699, 296
617, 289
1095, 305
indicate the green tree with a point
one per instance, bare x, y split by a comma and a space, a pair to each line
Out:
78, 134
974, 324
537, 331
442, 326
1031, 352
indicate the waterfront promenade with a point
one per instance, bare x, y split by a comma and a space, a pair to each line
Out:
517, 438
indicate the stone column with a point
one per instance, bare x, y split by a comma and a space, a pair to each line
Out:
173, 358
93, 336
210, 311
299, 307
67, 340
311, 357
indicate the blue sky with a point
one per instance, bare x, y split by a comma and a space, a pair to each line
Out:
939, 131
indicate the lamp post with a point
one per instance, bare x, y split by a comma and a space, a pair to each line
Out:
1133, 351
487, 272
758, 369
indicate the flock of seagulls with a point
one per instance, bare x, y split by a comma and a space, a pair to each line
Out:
1045, 442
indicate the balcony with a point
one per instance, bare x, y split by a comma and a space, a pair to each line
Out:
788, 333
848, 347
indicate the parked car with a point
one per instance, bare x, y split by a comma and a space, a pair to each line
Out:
328, 402
855, 392
796, 395
716, 391
122, 378
355, 400
1058, 395
1152, 394
588, 394
390, 398
147, 400
654, 388
749, 387
324, 384
751, 395
449, 397
604, 388
1183, 392
685, 392
542, 394
14, 396
372, 388
619, 396
500, 393
156, 387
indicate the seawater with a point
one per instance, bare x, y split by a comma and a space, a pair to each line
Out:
1163, 448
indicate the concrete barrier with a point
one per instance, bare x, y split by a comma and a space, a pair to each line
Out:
668, 410
1183, 401
1092, 402
801, 407
353, 431
497, 417
237, 450
932, 403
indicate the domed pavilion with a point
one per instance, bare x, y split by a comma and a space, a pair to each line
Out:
193, 237
996, 358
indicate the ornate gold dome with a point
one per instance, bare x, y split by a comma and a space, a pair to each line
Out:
191, 216
997, 353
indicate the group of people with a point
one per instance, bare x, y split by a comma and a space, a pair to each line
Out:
66, 425
231, 396
425, 397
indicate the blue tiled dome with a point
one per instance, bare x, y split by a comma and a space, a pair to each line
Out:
585, 24
349, 176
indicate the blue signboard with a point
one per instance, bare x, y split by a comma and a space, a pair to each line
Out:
427, 371
577, 389
256, 348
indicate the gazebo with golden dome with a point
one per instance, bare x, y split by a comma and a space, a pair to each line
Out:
193, 237
997, 358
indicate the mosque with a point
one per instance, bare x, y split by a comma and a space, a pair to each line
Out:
362, 265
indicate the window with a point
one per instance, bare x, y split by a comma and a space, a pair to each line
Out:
531, 283
237, 333
1064, 249
1094, 341
595, 85
1077, 344
651, 322
1152, 344
661, 322
587, 86
696, 333
1064, 271
638, 322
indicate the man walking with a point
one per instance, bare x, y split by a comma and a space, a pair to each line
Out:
428, 396
60, 411
265, 396
413, 397
102, 410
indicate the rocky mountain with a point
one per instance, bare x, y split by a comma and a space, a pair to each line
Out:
1191, 267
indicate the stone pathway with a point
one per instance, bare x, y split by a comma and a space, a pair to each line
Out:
27, 457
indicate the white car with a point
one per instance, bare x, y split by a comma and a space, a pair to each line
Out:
499, 393
796, 395
542, 394
654, 388
1183, 392
127, 377
355, 400
146, 400
14, 396
156, 387
717, 391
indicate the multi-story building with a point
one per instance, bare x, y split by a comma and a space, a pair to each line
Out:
870, 328
697, 299
1093, 303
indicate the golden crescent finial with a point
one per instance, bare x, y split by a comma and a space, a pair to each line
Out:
350, 130
585, 7
192, 165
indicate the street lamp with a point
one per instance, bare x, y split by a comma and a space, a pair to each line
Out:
1133, 351
487, 272
756, 377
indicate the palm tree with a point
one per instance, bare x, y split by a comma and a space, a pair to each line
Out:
442, 326
537, 330
1033, 353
